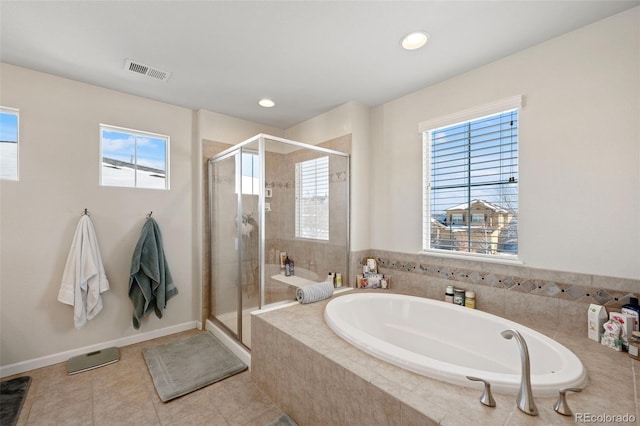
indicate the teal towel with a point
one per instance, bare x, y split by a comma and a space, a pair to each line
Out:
150, 283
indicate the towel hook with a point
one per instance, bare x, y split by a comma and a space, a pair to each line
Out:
149, 215
86, 212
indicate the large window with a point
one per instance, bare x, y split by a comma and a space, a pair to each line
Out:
312, 199
133, 158
9, 143
471, 181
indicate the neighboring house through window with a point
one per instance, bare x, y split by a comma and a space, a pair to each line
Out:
470, 176
9, 129
133, 158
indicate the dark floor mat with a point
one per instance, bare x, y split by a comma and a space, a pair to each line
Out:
12, 395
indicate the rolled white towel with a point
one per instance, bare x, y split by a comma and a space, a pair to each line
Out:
314, 292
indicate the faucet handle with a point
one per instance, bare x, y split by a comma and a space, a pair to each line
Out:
561, 406
487, 397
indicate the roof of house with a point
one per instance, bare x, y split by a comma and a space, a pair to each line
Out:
485, 204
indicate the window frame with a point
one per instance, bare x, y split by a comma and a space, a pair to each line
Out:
298, 227
425, 127
137, 134
16, 112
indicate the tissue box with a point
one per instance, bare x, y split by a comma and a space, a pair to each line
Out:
596, 317
611, 335
626, 327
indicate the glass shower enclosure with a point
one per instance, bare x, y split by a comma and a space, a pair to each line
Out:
271, 199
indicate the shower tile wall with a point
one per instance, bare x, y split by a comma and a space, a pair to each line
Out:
312, 259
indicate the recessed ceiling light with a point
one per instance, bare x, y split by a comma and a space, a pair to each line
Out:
267, 103
415, 40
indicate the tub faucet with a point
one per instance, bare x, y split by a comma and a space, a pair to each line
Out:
524, 399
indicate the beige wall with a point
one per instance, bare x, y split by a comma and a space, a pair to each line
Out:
59, 168
579, 149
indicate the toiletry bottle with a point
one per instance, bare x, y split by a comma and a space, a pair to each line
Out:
458, 296
470, 299
448, 294
287, 267
632, 308
332, 278
291, 267
338, 279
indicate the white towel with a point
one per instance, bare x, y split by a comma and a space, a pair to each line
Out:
314, 292
84, 278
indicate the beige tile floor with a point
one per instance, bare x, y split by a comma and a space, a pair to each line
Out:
123, 394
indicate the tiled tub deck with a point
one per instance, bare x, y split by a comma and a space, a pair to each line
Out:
319, 379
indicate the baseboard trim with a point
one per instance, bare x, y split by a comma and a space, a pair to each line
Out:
45, 361
237, 349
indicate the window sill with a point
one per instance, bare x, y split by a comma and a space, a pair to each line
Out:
473, 257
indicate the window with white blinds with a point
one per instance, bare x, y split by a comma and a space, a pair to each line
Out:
312, 199
471, 185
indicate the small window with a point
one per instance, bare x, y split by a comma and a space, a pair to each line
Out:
457, 218
250, 174
312, 199
470, 176
132, 158
9, 143
477, 218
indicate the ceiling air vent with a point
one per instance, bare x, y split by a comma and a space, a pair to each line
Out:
151, 72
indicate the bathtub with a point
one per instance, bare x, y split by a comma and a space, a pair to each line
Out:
449, 342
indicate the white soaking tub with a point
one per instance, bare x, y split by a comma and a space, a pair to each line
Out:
449, 342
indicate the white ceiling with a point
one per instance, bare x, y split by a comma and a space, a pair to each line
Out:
309, 57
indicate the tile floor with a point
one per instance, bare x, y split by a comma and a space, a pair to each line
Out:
123, 394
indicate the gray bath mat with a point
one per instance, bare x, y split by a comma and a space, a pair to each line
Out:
190, 363
12, 395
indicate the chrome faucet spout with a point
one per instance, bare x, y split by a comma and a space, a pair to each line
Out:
524, 399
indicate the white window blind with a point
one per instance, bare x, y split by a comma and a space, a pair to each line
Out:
471, 185
312, 199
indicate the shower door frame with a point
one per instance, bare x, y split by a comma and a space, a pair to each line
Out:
238, 149
237, 154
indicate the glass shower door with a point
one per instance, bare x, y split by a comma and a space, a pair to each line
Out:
226, 242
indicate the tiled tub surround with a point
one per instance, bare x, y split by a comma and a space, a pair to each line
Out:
527, 295
318, 378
